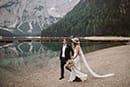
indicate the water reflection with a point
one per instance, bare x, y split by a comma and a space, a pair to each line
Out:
25, 49
29, 55
92, 46
23, 57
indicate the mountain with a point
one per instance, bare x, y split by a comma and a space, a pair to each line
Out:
94, 18
32, 16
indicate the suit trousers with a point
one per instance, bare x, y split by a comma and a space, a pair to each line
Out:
63, 61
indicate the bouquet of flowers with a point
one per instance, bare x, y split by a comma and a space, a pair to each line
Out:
69, 64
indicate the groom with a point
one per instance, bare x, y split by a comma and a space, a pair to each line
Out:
65, 54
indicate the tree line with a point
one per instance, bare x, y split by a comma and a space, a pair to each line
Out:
94, 18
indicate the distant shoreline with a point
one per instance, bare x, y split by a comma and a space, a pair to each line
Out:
59, 39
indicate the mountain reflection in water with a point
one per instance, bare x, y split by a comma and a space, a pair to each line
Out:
23, 50
24, 55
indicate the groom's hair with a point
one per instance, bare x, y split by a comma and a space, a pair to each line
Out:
66, 39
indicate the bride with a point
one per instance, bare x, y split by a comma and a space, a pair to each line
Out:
76, 72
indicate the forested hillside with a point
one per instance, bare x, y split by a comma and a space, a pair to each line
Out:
94, 17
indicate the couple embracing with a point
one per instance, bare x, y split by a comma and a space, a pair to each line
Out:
71, 52
75, 53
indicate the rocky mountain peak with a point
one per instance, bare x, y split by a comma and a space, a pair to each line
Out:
25, 15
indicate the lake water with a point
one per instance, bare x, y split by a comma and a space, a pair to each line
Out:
17, 56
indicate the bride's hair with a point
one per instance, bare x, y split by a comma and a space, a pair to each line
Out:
74, 44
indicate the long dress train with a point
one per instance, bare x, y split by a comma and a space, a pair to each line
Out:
90, 69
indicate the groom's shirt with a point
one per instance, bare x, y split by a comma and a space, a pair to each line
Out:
63, 50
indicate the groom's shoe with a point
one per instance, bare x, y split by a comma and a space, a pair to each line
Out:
61, 78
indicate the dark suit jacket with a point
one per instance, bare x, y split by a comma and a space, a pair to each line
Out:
68, 52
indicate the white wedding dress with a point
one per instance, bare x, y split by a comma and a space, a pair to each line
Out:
76, 70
